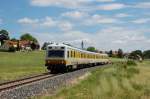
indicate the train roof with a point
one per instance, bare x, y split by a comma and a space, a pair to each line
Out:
75, 48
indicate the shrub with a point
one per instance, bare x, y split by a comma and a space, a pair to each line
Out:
133, 70
12, 49
131, 63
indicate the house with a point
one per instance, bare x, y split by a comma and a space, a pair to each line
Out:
18, 44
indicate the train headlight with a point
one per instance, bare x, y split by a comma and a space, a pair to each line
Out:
62, 62
47, 61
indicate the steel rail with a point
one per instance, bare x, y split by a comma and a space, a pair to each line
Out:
24, 81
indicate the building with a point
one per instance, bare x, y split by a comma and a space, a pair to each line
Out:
18, 44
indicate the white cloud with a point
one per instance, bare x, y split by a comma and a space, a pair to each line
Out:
119, 42
48, 22
141, 21
45, 22
142, 5
28, 21
112, 6
75, 14
60, 3
83, 5
65, 3
65, 25
100, 19
105, 0
148, 40
122, 15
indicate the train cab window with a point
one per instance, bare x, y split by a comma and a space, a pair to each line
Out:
56, 53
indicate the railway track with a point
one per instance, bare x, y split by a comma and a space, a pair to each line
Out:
20, 82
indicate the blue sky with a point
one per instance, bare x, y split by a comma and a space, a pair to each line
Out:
105, 24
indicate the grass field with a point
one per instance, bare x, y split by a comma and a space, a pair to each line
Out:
117, 81
19, 64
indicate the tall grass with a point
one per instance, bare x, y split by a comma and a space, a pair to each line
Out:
122, 80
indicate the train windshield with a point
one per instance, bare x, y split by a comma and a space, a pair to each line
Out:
56, 53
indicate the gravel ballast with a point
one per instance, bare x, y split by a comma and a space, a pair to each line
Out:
39, 87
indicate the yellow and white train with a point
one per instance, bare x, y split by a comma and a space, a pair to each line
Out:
61, 58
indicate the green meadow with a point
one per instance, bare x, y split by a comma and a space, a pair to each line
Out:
20, 64
117, 81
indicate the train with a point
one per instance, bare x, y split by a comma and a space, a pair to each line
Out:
63, 58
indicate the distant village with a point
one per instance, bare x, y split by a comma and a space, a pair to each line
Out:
25, 43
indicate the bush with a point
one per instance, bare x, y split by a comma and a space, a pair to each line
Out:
131, 63
12, 49
133, 70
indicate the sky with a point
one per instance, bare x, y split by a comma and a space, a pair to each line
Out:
104, 24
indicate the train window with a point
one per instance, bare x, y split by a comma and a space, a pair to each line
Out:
74, 54
71, 54
80, 54
68, 54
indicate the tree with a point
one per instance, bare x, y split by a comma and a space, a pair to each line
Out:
4, 35
146, 54
5, 32
110, 53
120, 53
33, 46
29, 37
13, 39
136, 54
45, 45
92, 49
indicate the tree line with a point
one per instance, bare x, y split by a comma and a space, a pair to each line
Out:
137, 54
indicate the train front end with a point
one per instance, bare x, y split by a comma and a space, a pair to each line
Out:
55, 57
